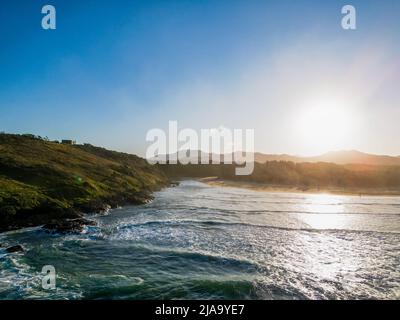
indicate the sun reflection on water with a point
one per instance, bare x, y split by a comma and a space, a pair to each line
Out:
330, 258
325, 211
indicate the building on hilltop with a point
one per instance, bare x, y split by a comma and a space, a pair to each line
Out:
71, 142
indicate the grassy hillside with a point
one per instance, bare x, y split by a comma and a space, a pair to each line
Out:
41, 180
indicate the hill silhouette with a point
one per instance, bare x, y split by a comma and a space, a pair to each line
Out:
343, 157
337, 157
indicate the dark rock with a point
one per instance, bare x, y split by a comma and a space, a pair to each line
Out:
14, 249
7, 211
43, 214
68, 226
94, 206
140, 198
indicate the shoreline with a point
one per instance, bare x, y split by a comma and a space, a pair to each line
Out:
75, 217
262, 187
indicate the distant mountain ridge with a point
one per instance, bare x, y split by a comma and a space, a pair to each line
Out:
337, 157
345, 157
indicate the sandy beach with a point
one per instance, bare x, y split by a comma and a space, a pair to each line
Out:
215, 181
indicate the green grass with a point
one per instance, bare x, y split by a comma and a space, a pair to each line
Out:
37, 174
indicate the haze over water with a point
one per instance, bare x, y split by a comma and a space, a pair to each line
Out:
198, 241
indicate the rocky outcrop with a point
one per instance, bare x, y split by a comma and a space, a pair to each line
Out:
36, 217
103, 205
15, 249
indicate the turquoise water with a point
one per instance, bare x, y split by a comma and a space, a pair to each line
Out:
198, 242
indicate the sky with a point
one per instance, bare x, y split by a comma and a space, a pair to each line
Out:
113, 70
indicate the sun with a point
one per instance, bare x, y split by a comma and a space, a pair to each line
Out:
324, 126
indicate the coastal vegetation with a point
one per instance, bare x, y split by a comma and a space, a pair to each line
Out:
353, 178
49, 183
44, 181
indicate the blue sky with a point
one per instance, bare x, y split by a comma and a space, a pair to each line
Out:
112, 70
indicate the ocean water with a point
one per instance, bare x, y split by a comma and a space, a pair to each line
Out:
196, 241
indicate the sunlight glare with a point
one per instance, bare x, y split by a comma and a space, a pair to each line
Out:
325, 125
